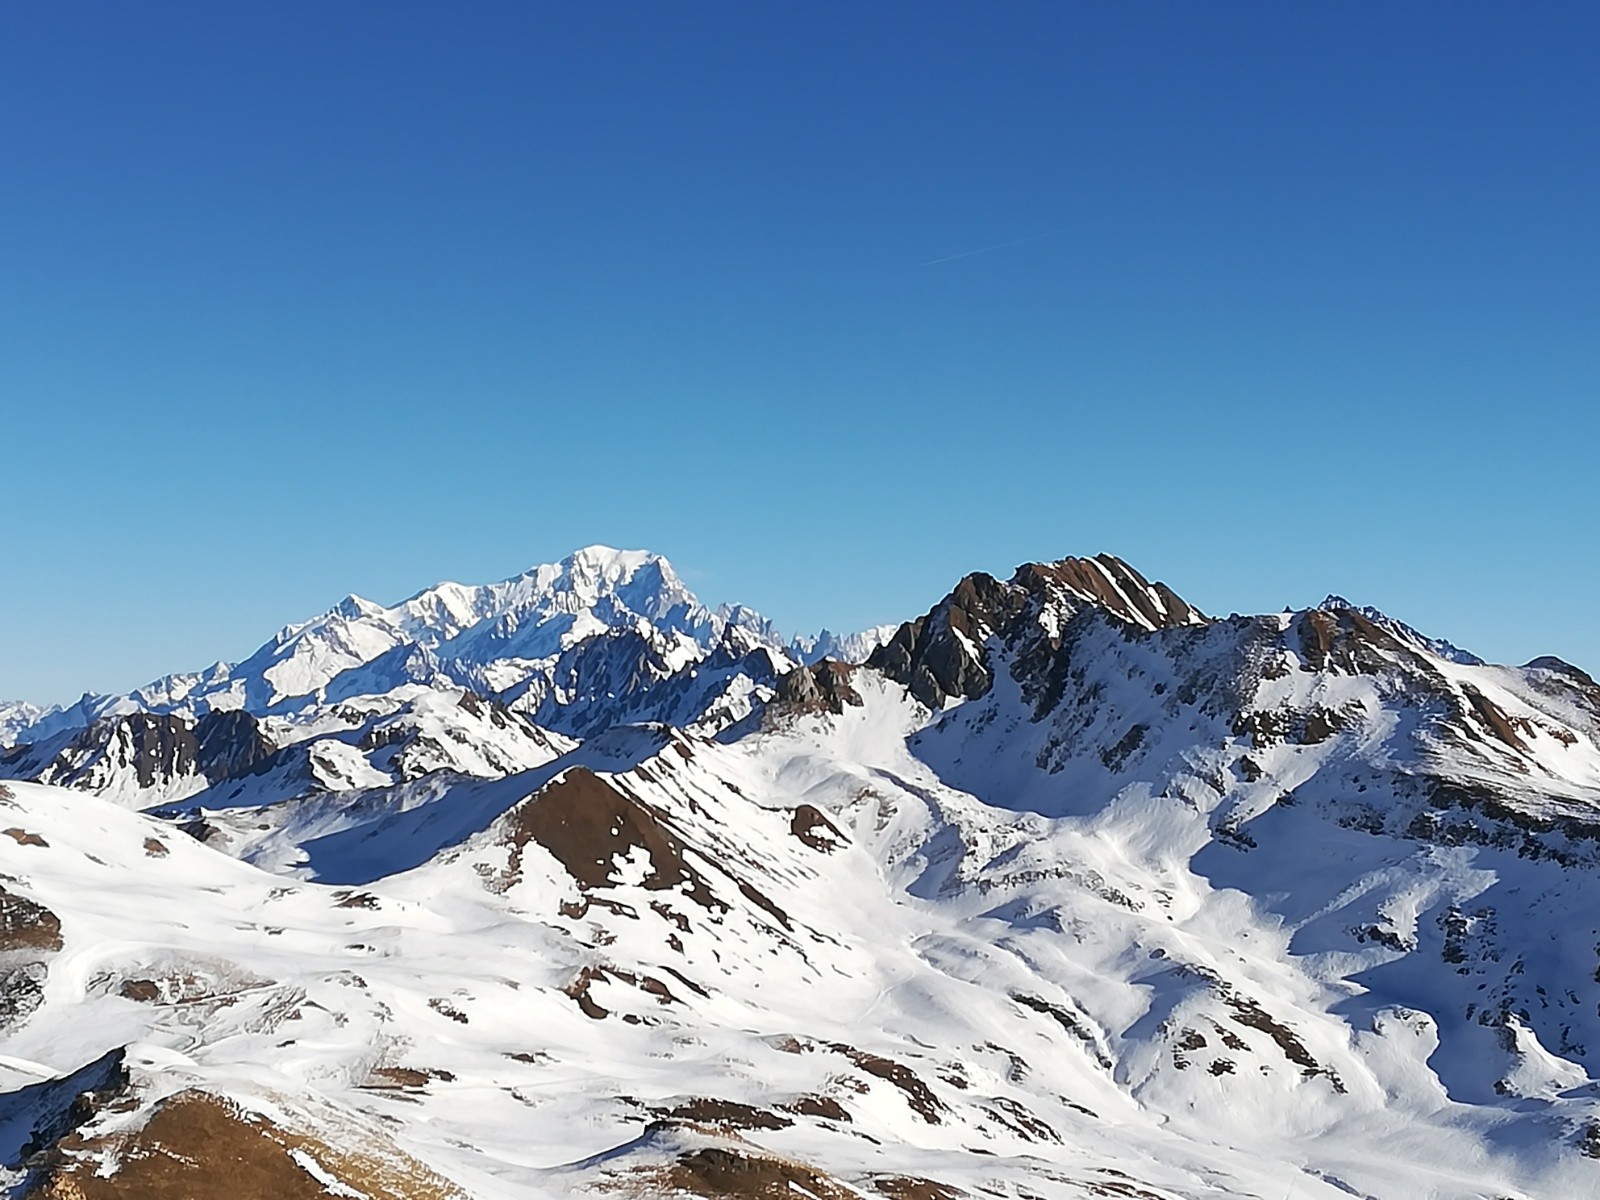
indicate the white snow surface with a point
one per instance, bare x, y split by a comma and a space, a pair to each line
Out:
1297, 905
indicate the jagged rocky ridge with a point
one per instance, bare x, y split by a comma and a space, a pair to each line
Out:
1068, 890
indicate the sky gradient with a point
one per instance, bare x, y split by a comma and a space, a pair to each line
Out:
829, 303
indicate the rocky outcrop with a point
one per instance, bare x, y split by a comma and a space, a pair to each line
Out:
29, 935
822, 687
197, 1145
146, 751
941, 656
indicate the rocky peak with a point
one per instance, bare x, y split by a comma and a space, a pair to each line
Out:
1107, 582
941, 655
823, 686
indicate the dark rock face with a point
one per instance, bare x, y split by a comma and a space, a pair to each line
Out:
815, 830
27, 926
29, 934
157, 748
822, 687
229, 744
941, 655
46, 1112
624, 678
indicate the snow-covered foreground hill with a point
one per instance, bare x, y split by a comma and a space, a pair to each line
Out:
1069, 891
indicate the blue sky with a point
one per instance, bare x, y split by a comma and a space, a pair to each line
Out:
830, 303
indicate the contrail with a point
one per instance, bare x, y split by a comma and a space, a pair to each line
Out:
1021, 241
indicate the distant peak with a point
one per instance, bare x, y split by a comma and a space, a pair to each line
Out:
608, 558
354, 607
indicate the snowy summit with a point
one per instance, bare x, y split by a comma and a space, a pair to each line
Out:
569, 885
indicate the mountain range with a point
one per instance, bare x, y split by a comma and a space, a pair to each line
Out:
570, 885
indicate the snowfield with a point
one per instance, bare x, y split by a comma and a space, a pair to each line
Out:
575, 887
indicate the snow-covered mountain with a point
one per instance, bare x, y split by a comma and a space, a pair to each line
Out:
17, 716
602, 637
571, 886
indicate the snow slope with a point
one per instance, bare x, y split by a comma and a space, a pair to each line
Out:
1071, 891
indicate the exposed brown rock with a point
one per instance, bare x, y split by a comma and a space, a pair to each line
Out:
1125, 594
1493, 718
23, 838
733, 1173
198, 1146
1251, 1015
815, 830
941, 655
157, 747
578, 989
587, 823
824, 1107
1319, 726
727, 1114
824, 686
29, 934
905, 1187
1021, 1120
26, 925
921, 1098
933, 656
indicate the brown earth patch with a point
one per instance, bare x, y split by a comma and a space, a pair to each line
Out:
728, 1114
763, 902
814, 829
23, 838
1493, 718
578, 989
29, 934
667, 914
26, 925
198, 1146
1251, 1015
586, 823
921, 1098
823, 1107
155, 848
725, 1173
404, 1079
145, 991
904, 1187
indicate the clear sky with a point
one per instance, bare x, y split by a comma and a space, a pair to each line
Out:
830, 303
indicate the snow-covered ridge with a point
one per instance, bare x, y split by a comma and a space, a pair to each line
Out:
498, 638
1068, 891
